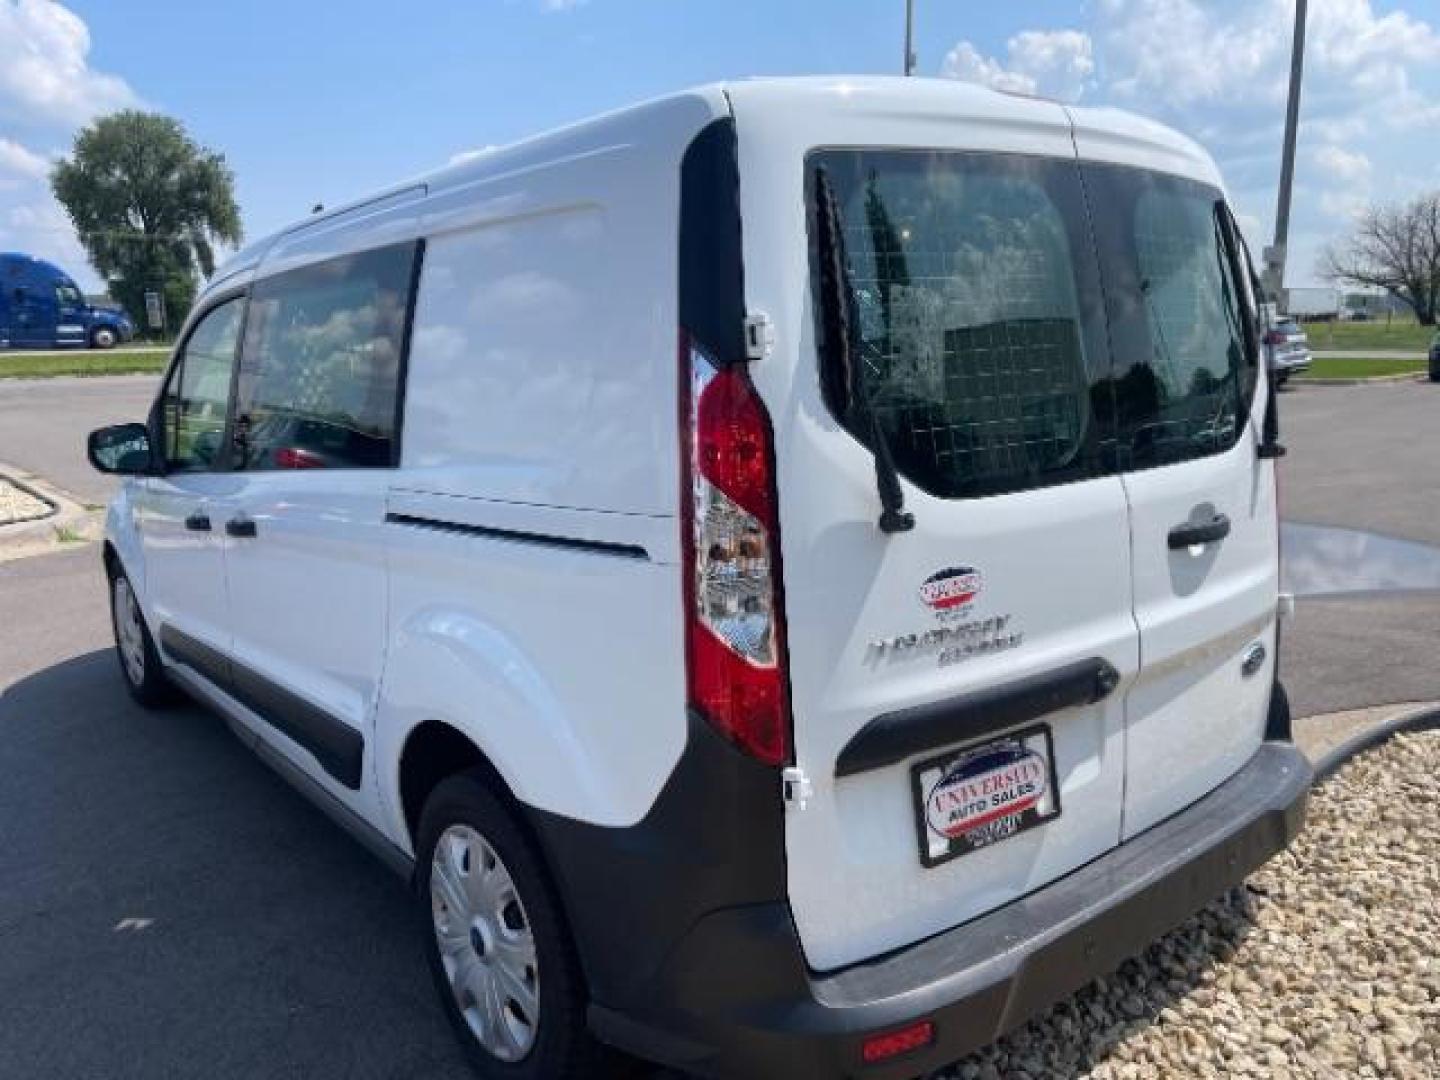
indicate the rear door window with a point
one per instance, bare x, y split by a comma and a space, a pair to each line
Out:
1185, 368
975, 313
320, 370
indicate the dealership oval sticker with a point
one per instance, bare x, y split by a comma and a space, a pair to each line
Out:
951, 588
999, 782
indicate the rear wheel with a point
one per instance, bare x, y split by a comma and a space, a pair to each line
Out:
139, 662
496, 941
103, 338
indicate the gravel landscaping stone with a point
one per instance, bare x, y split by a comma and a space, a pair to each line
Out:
1326, 963
18, 505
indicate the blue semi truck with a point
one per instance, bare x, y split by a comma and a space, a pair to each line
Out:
41, 307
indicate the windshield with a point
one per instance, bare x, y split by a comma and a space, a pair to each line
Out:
1008, 335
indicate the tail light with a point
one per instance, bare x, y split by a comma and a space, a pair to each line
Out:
1274, 337
734, 621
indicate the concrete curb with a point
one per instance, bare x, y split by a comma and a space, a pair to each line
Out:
1412, 376
1421, 718
30, 490
41, 535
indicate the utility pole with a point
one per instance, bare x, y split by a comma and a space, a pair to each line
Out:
1275, 254
909, 37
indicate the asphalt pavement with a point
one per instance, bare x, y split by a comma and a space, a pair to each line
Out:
170, 908
43, 424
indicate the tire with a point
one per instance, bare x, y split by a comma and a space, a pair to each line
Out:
103, 338
507, 937
140, 664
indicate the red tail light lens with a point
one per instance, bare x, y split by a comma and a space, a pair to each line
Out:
734, 630
1274, 337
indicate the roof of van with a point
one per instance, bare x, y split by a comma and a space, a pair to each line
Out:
790, 100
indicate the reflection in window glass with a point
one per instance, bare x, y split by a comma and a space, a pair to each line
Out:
1184, 369
975, 315
320, 371
195, 403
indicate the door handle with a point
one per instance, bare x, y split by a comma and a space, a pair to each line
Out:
240, 526
1191, 533
198, 522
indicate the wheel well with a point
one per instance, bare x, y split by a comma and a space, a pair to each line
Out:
435, 751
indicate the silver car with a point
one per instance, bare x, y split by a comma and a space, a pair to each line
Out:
1288, 350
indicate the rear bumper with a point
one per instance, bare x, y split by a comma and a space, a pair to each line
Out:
735, 999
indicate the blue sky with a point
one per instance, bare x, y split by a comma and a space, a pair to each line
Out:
318, 103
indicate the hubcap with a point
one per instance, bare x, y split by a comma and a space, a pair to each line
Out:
486, 943
129, 635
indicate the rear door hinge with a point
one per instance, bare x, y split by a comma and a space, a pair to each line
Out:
759, 336
796, 787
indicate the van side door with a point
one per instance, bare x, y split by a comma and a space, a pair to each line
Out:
1202, 500
180, 536
314, 445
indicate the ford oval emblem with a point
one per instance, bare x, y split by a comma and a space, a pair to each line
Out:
951, 588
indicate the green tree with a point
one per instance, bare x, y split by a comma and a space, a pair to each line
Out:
149, 205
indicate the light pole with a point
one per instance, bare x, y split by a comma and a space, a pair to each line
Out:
1275, 254
909, 37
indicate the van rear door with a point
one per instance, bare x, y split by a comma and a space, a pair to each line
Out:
1202, 502
956, 689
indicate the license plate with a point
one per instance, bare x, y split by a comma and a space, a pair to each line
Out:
981, 794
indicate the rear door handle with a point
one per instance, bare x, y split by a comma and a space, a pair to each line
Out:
198, 522
240, 526
1192, 533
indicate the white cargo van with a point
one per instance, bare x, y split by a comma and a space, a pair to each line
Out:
789, 570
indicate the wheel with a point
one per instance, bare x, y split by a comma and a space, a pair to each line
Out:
103, 338
139, 662
496, 941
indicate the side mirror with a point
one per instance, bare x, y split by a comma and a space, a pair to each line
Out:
123, 449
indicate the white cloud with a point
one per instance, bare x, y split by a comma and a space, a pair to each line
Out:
1057, 63
1347, 165
1219, 70
47, 90
46, 77
19, 164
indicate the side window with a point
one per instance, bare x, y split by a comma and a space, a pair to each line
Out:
1183, 356
196, 399
68, 295
976, 330
320, 370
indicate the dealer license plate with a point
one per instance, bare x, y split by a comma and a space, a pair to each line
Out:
984, 793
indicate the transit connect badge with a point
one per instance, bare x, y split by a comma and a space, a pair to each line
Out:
952, 588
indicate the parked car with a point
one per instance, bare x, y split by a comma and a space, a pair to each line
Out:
1288, 350
42, 307
818, 698
1435, 358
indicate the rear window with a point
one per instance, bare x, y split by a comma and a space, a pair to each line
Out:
976, 294
976, 328
1184, 370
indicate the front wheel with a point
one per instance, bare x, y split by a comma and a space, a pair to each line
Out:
139, 661
103, 338
496, 941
